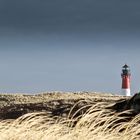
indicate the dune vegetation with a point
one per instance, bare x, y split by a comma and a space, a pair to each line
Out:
66, 116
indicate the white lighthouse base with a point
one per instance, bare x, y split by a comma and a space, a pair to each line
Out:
126, 92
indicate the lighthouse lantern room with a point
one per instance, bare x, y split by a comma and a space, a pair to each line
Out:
126, 80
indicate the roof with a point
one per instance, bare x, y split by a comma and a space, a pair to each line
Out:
125, 66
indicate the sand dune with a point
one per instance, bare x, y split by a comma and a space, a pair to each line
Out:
61, 116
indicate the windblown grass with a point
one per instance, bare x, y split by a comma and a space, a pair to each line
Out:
97, 123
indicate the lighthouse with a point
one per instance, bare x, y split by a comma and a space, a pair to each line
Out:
126, 80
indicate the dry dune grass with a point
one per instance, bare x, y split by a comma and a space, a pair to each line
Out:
87, 119
96, 123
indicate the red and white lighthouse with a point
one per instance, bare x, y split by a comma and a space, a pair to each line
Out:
126, 80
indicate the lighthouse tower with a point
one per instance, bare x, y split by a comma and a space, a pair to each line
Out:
126, 80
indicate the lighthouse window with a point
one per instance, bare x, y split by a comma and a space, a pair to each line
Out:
126, 72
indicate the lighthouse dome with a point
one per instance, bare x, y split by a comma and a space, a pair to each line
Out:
125, 70
125, 66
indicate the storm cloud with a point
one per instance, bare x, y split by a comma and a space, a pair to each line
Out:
70, 15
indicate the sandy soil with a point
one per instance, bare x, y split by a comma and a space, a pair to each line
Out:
13, 106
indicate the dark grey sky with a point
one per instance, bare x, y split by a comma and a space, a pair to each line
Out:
66, 16
68, 45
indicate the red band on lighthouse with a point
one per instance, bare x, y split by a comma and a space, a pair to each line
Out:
125, 82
